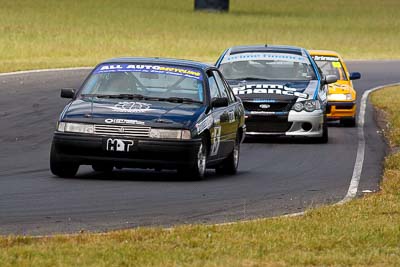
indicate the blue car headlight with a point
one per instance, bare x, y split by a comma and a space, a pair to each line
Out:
170, 134
75, 127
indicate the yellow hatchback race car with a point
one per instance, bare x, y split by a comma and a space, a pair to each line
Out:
341, 95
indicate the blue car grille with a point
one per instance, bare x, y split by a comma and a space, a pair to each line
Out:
122, 130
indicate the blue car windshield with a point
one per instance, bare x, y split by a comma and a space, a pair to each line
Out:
147, 80
267, 66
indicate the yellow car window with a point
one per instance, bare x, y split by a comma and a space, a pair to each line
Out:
331, 66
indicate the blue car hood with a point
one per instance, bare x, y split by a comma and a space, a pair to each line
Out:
152, 113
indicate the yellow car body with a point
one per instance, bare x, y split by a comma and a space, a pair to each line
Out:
341, 94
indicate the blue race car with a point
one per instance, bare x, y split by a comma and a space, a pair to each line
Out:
150, 113
282, 90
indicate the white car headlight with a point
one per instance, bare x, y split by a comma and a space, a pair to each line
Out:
170, 134
308, 105
298, 106
75, 127
339, 97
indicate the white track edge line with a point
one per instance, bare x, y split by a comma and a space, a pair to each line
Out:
86, 68
43, 70
358, 165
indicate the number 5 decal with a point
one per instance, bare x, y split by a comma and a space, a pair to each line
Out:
216, 136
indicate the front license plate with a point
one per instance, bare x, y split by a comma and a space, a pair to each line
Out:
120, 145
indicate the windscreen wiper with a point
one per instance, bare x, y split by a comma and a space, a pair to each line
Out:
88, 95
251, 79
122, 96
176, 99
182, 99
139, 96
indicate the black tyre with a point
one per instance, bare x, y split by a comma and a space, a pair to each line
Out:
348, 122
102, 167
198, 170
62, 168
230, 165
324, 138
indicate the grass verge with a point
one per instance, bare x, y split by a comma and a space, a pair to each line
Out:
64, 33
363, 232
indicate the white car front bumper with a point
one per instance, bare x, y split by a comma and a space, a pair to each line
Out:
303, 123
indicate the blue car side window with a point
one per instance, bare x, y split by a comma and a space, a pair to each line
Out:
200, 90
214, 92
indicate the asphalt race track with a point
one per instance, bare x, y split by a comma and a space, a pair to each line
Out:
276, 177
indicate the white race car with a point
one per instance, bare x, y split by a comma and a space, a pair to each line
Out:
282, 90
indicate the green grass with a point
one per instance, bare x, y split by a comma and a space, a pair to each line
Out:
388, 100
64, 33
363, 232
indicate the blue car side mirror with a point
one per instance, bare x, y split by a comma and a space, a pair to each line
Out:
67, 93
355, 76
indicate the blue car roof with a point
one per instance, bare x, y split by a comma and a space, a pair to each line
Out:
267, 48
157, 60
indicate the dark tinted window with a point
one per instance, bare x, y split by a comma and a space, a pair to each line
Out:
214, 92
223, 88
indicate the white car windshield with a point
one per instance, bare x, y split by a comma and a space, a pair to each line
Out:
267, 66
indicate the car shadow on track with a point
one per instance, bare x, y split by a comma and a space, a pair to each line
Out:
140, 175
337, 124
279, 140
292, 139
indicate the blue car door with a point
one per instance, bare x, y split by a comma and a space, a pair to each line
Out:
217, 144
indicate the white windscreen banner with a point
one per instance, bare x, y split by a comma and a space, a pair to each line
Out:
265, 56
